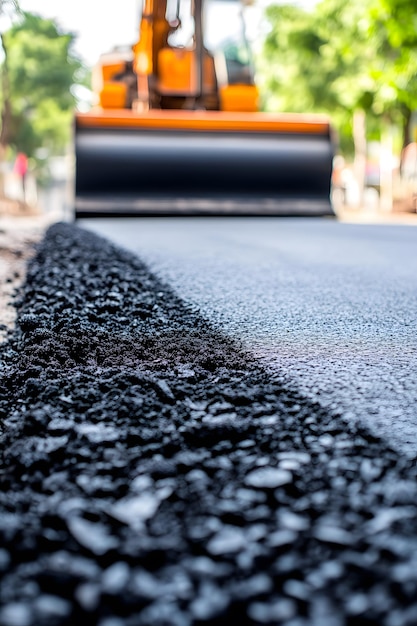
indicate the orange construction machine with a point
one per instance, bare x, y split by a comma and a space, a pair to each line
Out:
177, 129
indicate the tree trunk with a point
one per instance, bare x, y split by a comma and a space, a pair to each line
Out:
359, 165
6, 114
386, 163
406, 129
406, 133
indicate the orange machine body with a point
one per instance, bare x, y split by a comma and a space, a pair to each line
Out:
177, 119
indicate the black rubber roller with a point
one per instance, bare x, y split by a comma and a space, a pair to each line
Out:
128, 171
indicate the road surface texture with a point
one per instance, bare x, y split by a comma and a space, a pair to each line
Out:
331, 307
155, 473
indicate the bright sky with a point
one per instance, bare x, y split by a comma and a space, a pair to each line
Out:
99, 24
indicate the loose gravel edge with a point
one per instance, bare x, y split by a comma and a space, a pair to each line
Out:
152, 474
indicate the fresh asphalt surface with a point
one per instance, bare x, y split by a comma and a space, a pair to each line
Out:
331, 306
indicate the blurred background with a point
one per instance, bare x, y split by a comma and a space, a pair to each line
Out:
356, 62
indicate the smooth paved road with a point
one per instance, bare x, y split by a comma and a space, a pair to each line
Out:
332, 307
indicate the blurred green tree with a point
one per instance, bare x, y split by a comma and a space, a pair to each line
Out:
340, 57
394, 29
8, 10
356, 61
41, 68
318, 60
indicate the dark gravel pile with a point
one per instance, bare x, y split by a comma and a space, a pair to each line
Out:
151, 475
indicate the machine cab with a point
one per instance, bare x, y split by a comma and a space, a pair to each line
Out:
185, 58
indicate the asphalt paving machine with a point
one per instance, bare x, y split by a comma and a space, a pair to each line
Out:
177, 130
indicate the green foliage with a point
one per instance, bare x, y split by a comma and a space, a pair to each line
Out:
342, 56
41, 69
394, 28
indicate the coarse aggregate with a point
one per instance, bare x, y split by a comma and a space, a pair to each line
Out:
153, 474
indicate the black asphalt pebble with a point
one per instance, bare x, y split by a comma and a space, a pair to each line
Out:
153, 474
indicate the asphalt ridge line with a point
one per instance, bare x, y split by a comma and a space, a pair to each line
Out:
151, 475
